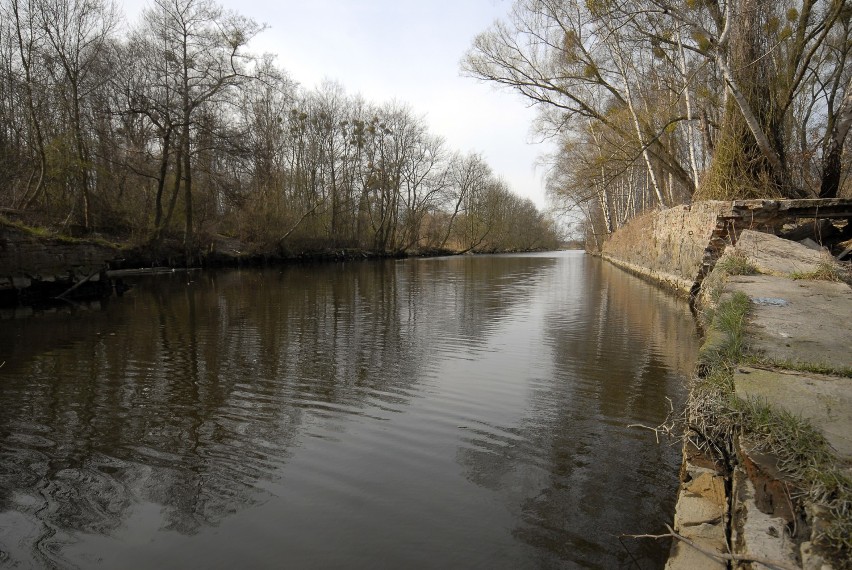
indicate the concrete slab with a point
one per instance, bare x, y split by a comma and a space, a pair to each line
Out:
812, 324
826, 401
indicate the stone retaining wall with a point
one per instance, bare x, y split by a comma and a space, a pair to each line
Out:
720, 511
669, 246
37, 267
679, 247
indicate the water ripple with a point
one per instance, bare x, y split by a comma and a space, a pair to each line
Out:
461, 412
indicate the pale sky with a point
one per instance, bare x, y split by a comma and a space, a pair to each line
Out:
408, 51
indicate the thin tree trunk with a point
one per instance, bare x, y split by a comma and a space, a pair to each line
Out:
28, 198
638, 128
690, 131
161, 181
175, 191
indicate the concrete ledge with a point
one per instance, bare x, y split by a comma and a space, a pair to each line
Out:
681, 286
701, 515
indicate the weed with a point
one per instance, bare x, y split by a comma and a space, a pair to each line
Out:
798, 366
736, 263
47, 233
825, 271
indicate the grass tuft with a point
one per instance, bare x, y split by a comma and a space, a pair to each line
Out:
737, 263
825, 271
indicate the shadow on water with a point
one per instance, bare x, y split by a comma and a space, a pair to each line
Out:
187, 402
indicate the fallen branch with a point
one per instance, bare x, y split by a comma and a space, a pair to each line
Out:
79, 283
667, 427
300, 220
717, 555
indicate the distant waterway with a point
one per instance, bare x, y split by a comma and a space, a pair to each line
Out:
464, 412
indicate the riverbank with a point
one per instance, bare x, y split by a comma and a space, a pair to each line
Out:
765, 479
38, 267
769, 420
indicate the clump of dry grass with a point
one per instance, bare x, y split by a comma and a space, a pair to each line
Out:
737, 172
826, 270
736, 263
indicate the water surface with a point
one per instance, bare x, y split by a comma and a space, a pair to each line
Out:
465, 412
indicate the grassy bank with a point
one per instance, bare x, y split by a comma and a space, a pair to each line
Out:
717, 419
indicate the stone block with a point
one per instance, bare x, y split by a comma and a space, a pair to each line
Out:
692, 510
756, 534
684, 557
777, 256
708, 486
708, 536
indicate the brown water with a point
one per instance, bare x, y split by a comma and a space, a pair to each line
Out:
438, 413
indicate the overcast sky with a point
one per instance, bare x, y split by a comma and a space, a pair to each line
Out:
408, 51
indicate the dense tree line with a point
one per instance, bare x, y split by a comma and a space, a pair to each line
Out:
659, 102
174, 130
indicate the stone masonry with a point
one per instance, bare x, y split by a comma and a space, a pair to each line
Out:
50, 266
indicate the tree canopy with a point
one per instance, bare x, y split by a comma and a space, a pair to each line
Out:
655, 103
176, 131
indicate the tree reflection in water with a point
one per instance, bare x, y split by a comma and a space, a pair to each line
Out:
185, 402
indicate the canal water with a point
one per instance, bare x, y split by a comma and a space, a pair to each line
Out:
466, 412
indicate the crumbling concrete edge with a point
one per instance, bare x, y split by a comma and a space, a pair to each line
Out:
702, 515
680, 286
744, 530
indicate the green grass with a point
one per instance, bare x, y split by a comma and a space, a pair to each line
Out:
736, 263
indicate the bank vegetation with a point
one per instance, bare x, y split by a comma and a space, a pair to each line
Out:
173, 131
655, 103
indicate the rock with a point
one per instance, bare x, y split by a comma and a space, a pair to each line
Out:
684, 557
811, 560
810, 244
777, 256
756, 534
708, 486
710, 536
694, 510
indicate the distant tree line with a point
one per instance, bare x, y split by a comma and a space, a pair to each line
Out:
174, 131
658, 102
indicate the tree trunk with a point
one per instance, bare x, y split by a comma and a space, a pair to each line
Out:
832, 155
749, 158
161, 180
